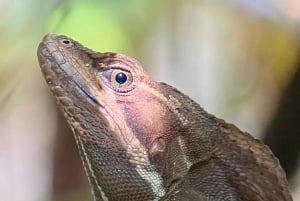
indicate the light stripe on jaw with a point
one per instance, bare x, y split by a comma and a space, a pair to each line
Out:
155, 181
88, 167
149, 174
182, 145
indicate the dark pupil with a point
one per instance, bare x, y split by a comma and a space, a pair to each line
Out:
121, 78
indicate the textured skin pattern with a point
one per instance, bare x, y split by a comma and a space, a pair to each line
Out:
143, 140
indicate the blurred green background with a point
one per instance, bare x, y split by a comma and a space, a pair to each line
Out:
238, 58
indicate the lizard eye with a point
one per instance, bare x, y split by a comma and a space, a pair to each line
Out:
119, 79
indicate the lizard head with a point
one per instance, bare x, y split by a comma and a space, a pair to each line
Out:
125, 124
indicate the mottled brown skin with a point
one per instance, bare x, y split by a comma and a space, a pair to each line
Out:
145, 140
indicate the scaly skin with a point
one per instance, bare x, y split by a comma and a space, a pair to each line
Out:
143, 140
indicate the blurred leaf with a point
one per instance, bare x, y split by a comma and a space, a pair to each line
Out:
92, 24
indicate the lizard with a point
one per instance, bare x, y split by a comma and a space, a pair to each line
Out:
144, 140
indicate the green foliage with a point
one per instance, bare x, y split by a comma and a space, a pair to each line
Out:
91, 23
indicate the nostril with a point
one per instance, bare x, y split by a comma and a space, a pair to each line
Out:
65, 41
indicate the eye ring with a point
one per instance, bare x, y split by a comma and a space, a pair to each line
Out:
119, 80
